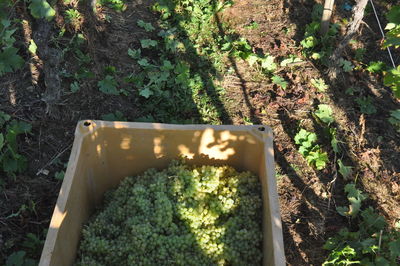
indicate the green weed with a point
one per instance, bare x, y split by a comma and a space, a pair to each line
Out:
366, 105
311, 151
372, 244
11, 162
394, 119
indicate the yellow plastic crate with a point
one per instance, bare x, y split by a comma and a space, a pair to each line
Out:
103, 153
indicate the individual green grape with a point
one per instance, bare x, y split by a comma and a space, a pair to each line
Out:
181, 215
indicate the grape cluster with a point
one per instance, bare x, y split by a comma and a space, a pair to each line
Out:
182, 215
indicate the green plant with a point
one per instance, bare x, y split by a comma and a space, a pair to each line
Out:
252, 26
145, 25
315, 46
41, 9
311, 151
319, 84
376, 66
19, 259
189, 215
59, 175
394, 119
344, 170
392, 79
372, 244
11, 162
108, 85
290, 60
117, 5
9, 59
72, 15
279, 81
366, 105
324, 113
393, 27
116, 116
355, 197
346, 65
359, 54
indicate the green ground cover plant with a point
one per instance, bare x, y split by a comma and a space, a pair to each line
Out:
373, 242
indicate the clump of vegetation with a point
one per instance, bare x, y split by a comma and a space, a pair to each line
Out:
11, 162
311, 151
182, 215
374, 243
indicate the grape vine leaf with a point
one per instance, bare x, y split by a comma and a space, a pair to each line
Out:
145, 25
252, 59
279, 81
41, 9
146, 43
10, 60
324, 113
355, 198
394, 15
32, 47
346, 65
319, 84
135, 54
74, 86
108, 85
268, 64
344, 170
394, 248
146, 92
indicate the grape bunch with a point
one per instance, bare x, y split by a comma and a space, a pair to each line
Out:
182, 215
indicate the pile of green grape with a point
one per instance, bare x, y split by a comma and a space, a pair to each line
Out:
182, 215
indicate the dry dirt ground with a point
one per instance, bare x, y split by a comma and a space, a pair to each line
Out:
308, 198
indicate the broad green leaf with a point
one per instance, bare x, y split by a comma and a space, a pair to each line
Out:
324, 113
74, 86
319, 84
376, 67
117, 116
252, 59
59, 175
292, 59
108, 85
16, 259
10, 60
268, 64
41, 9
344, 170
366, 105
393, 15
32, 47
355, 198
145, 25
394, 248
346, 65
372, 222
135, 54
146, 92
4, 118
392, 79
309, 42
144, 62
334, 140
279, 81
146, 43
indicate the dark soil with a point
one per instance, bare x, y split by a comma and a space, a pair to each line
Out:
308, 198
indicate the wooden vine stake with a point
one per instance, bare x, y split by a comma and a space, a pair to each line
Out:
326, 16
352, 28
